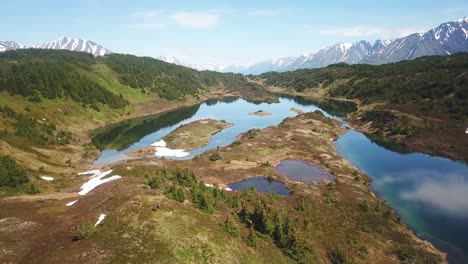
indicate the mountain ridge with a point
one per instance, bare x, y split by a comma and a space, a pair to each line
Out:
64, 43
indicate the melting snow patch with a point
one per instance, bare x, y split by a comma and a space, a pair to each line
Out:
71, 203
96, 180
209, 185
47, 178
162, 151
227, 189
90, 172
101, 217
167, 152
160, 143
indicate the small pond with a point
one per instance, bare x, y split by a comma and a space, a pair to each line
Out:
300, 171
261, 184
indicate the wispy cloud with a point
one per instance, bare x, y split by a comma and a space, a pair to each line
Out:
148, 19
269, 12
197, 20
158, 19
372, 31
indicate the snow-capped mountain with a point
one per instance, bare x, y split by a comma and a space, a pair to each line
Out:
269, 65
75, 45
198, 67
448, 38
61, 43
9, 45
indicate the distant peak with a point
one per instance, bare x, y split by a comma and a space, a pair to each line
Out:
463, 19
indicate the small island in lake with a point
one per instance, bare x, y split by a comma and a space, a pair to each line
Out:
190, 136
260, 113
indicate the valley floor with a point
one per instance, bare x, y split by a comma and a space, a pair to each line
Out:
343, 218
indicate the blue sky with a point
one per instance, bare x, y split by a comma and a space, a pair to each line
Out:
221, 32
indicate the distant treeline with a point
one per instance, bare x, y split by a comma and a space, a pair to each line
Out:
437, 83
37, 74
172, 81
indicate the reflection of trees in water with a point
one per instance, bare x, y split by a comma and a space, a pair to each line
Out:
333, 107
124, 134
230, 99
389, 144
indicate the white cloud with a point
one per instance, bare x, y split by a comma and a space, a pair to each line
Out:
158, 19
269, 12
386, 33
450, 195
197, 20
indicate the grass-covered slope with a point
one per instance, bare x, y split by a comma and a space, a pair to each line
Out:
50, 100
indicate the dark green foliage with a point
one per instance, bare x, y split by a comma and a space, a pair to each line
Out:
154, 182
269, 221
53, 74
388, 215
236, 143
84, 230
185, 177
304, 205
251, 238
175, 193
337, 256
215, 156
29, 128
38, 132
207, 198
11, 173
230, 227
406, 253
168, 80
364, 206
435, 83
32, 189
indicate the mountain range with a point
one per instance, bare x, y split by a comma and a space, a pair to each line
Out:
448, 38
61, 43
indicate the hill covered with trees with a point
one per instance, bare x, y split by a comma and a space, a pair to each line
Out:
421, 103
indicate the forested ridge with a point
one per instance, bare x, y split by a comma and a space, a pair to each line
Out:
53, 74
37, 74
172, 81
436, 83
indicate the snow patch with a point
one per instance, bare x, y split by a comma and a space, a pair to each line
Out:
47, 178
163, 151
167, 152
101, 217
71, 203
96, 180
160, 143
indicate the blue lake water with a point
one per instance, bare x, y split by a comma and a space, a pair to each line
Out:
261, 184
236, 112
429, 193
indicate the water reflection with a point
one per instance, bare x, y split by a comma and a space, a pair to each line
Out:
261, 184
430, 193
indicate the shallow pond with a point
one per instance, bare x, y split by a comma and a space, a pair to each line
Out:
300, 171
261, 184
430, 193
